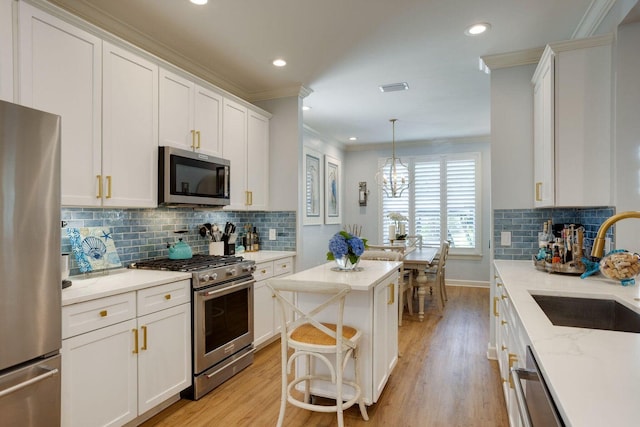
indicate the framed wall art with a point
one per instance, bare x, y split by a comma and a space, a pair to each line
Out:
313, 200
332, 190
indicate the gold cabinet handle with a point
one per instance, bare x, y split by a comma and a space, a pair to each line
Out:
103, 313
144, 338
513, 358
284, 266
264, 271
503, 322
198, 133
504, 347
495, 306
135, 341
193, 139
167, 296
504, 297
248, 198
498, 284
392, 296
108, 186
538, 188
99, 177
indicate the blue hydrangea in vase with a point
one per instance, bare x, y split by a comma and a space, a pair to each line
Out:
345, 249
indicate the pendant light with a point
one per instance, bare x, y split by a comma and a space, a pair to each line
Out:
393, 176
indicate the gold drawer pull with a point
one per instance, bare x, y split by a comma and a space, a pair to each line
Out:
264, 271
504, 347
103, 313
504, 297
144, 338
167, 296
135, 341
503, 322
99, 177
392, 296
284, 265
495, 306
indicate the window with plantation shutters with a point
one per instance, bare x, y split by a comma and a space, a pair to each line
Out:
442, 202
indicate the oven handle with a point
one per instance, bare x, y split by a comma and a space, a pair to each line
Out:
519, 374
226, 289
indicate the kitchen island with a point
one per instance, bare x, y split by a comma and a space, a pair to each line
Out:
372, 307
593, 375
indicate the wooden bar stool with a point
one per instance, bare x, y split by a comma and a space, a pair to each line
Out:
316, 342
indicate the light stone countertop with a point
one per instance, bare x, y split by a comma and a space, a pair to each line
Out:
363, 280
265, 256
116, 282
593, 375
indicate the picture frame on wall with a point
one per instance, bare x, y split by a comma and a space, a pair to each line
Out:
313, 202
332, 190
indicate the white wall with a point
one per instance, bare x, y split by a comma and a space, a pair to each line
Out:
314, 239
627, 135
285, 138
362, 166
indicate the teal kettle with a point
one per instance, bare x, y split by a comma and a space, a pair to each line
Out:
180, 250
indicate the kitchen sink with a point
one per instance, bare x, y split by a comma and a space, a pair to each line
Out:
589, 313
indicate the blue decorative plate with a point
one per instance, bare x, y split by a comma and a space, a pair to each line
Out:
93, 248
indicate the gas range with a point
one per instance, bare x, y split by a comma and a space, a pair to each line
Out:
206, 270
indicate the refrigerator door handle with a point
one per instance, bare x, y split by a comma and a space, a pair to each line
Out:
13, 389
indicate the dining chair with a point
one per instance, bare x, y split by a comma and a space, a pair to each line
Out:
405, 281
316, 341
414, 240
436, 275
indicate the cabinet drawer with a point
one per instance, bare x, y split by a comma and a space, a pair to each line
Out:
283, 266
163, 296
91, 315
264, 270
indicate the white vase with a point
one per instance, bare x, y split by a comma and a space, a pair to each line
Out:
345, 264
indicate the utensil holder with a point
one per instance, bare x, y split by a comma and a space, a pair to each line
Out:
216, 248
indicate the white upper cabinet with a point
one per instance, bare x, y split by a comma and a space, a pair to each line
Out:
246, 146
130, 129
190, 115
6, 50
60, 69
572, 123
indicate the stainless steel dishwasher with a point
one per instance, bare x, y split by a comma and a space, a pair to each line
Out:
536, 406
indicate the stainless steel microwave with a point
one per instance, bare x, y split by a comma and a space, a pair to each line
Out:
191, 178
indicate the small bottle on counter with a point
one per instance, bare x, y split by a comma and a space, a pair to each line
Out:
256, 241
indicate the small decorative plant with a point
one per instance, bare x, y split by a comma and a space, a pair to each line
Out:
398, 219
344, 244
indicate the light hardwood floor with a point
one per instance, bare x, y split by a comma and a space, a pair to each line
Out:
442, 379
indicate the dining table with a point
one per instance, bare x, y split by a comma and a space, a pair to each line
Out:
418, 260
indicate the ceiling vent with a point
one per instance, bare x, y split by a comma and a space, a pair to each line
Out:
394, 87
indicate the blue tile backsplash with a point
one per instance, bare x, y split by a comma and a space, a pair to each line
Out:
524, 225
144, 233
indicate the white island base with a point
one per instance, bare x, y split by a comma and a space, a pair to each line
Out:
372, 307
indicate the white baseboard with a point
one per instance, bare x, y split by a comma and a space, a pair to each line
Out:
467, 283
491, 352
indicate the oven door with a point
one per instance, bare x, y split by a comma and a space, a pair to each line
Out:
223, 322
537, 408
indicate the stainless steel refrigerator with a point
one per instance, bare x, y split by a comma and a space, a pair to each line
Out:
30, 272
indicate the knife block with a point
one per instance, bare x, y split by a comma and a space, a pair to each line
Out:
217, 248
229, 248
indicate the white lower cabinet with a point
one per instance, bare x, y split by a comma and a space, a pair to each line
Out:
266, 317
112, 373
385, 327
511, 344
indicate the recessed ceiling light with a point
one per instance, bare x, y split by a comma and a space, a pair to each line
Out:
199, 2
306, 108
477, 29
393, 87
353, 138
279, 62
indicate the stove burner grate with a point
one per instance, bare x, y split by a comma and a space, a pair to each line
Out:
197, 263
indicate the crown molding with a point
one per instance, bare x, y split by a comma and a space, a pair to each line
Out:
298, 90
418, 143
592, 18
601, 40
512, 59
106, 22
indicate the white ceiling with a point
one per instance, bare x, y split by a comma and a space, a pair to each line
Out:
343, 50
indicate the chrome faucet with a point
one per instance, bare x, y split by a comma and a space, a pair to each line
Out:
598, 244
